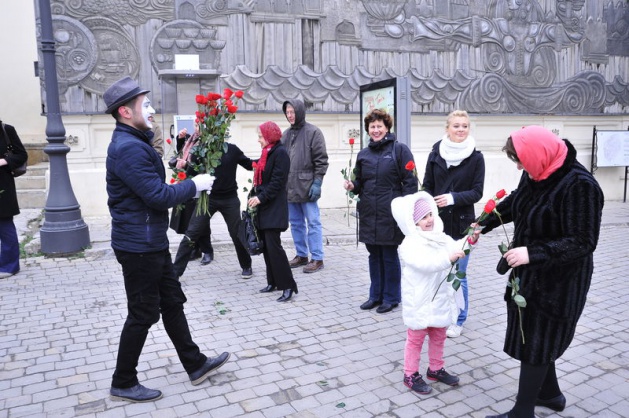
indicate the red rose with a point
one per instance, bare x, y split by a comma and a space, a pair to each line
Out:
181, 175
228, 103
201, 99
213, 96
490, 206
213, 112
169, 141
501, 193
200, 115
232, 109
351, 141
239, 94
227, 93
172, 181
410, 166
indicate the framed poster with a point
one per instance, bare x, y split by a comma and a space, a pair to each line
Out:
392, 96
612, 148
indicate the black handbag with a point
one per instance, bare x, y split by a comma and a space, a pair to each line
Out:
180, 218
17, 171
248, 234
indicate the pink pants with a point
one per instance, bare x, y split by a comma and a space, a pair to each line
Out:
413, 348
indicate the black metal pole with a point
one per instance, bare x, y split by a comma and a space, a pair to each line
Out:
63, 232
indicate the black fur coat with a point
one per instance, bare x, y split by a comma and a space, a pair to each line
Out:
558, 220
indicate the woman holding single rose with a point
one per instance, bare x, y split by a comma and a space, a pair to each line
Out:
270, 201
380, 177
556, 213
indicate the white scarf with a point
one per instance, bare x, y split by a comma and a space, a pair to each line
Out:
455, 152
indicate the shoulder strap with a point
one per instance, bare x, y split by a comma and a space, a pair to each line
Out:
397, 163
7, 139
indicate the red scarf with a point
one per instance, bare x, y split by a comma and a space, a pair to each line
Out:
540, 151
257, 176
272, 134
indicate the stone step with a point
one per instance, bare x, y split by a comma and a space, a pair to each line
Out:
31, 198
31, 187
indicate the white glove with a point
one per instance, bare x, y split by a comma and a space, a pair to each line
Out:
203, 182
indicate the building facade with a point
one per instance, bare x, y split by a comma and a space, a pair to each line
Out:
558, 63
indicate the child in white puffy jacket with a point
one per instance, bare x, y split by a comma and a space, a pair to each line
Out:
428, 254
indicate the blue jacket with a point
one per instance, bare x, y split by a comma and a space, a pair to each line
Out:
139, 198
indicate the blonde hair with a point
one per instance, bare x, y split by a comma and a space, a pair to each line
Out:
456, 114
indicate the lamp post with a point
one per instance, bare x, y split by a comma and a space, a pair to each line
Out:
63, 231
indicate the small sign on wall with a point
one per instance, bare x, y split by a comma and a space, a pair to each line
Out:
612, 148
186, 62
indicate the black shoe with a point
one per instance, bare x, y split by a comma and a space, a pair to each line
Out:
386, 307
505, 415
286, 295
268, 289
417, 384
196, 253
442, 376
137, 393
558, 403
210, 365
370, 304
206, 259
247, 273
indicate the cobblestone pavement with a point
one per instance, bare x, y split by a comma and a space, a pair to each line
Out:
318, 355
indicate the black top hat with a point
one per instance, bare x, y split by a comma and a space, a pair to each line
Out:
121, 92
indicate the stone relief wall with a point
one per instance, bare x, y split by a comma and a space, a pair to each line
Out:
487, 56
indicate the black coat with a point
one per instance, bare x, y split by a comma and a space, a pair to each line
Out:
273, 207
8, 196
558, 220
380, 178
464, 181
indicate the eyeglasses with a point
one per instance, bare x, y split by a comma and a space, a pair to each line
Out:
513, 157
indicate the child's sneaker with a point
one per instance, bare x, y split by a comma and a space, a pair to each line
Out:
442, 376
416, 383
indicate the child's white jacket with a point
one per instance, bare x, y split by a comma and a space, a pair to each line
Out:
426, 257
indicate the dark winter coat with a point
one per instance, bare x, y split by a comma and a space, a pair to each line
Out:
139, 197
273, 207
225, 185
558, 220
380, 178
464, 181
305, 145
8, 196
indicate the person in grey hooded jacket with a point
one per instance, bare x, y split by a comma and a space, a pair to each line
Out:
308, 164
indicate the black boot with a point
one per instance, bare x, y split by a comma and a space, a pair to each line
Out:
287, 294
267, 289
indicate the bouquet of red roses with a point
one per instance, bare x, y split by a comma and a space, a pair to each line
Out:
214, 117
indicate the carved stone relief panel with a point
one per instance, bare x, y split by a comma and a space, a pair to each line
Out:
526, 56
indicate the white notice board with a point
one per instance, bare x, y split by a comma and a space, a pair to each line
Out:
612, 148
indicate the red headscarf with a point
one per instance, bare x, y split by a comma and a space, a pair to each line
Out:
540, 151
272, 134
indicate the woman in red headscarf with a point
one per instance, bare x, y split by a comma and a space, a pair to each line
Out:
269, 181
556, 213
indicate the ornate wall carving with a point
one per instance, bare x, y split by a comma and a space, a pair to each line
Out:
498, 56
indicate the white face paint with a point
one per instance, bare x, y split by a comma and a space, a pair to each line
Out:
147, 111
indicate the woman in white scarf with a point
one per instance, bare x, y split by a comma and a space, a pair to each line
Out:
455, 176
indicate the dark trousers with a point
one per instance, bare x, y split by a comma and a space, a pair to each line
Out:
152, 287
385, 273
9, 246
278, 271
536, 381
200, 226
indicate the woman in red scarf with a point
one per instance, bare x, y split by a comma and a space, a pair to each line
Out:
556, 214
270, 201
